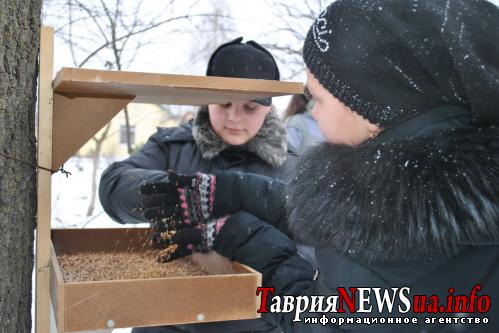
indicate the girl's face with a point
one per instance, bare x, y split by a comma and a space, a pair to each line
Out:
337, 122
236, 123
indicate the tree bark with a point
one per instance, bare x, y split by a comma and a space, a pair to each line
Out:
19, 44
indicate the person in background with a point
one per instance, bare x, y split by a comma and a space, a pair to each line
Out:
404, 193
241, 136
302, 128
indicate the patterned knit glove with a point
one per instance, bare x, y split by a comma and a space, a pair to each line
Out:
182, 241
180, 200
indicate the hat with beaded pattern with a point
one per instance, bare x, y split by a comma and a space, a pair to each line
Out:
390, 60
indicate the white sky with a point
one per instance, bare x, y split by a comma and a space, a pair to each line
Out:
170, 53
252, 19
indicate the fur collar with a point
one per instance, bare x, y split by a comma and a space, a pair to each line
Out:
270, 143
401, 198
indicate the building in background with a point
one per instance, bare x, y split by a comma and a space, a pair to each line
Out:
144, 119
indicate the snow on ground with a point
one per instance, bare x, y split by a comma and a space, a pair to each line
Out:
71, 197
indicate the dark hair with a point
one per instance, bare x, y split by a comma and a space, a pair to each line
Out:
297, 105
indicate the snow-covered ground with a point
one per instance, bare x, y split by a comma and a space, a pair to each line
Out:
71, 197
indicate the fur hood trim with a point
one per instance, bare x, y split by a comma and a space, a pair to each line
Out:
270, 143
401, 198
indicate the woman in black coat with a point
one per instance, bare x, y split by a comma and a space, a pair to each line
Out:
240, 136
404, 195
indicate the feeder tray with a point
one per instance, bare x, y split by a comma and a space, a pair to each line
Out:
227, 291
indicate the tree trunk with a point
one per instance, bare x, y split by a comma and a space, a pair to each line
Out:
128, 137
95, 167
19, 43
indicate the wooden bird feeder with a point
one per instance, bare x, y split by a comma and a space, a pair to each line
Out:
73, 107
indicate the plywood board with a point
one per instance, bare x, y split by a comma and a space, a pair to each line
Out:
76, 120
44, 138
56, 288
147, 302
167, 88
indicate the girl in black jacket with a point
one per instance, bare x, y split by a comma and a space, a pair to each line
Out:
240, 136
404, 195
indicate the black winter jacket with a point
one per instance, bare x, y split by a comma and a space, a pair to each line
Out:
419, 212
188, 149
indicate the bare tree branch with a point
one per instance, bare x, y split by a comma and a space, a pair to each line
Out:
148, 28
73, 56
93, 17
290, 30
285, 49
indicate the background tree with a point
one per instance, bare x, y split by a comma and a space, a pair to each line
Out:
19, 43
111, 34
207, 33
286, 36
210, 32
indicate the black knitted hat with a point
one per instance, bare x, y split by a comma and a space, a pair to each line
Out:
390, 60
244, 60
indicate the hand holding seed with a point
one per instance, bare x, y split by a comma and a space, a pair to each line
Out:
179, 210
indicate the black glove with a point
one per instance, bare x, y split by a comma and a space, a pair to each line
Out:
183, 240
179, 200
179, 210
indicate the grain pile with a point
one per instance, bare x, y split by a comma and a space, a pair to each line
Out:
100, 266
